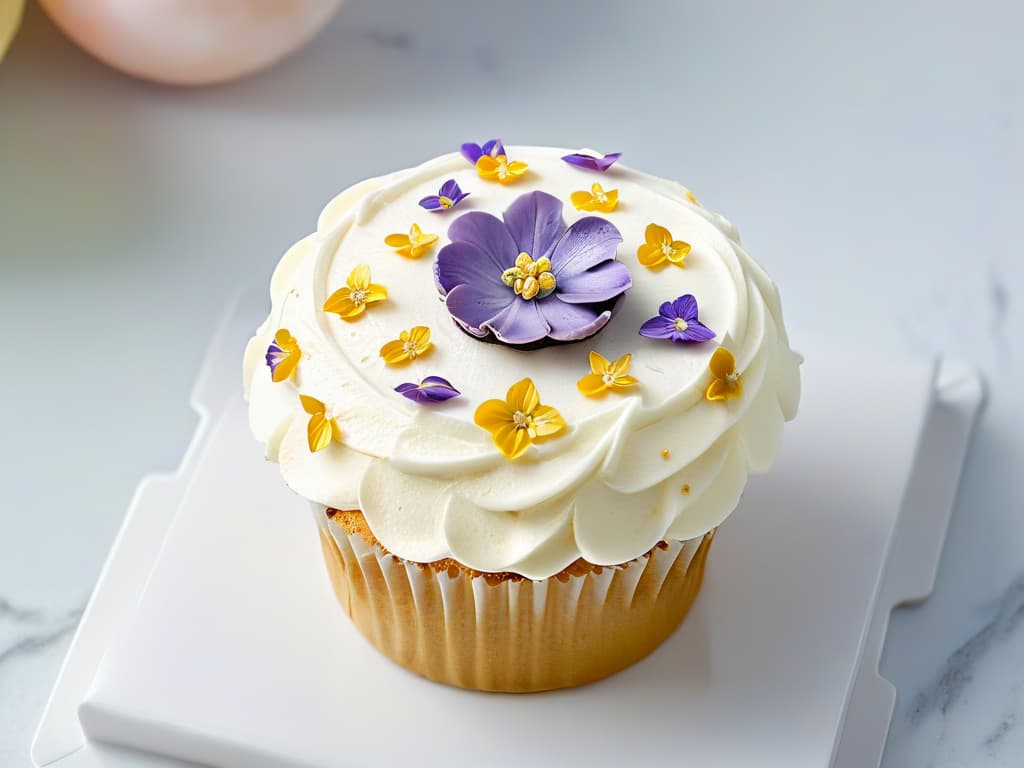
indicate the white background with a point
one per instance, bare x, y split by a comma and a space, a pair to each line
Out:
870, 153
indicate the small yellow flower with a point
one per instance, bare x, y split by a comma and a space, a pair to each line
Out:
661, 247
596, 199
692, 198
605, 376
725, 383
283, 356
408, 346
413, 245
519, 420
350, 302
323, 427
499, 168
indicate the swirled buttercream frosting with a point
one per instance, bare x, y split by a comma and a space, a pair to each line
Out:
523, 379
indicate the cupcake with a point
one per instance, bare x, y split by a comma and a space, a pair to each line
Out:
521, 389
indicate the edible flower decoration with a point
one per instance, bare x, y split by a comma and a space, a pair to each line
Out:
413, 245
592, 162
432, 389
473, 152
351, 301
323, 426
527, 280
606, 376
725, 383
499, 168
596, 199
519, 421
283, 355
447, 197
661, 247
677, 321
408, 346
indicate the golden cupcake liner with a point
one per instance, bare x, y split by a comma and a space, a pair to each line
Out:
512, 634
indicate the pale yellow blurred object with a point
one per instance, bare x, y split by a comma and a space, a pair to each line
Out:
190, 42
10, 19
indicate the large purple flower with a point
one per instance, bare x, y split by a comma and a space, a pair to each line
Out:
528, 280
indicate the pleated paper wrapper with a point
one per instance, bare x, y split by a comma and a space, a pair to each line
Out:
516, 635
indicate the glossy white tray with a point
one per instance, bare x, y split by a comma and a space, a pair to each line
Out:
213, 635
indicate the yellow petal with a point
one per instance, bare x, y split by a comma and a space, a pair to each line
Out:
397, 240
515, 169
583, 201
285, 340
610, 203
359, 277
420, 336
375, 293
622, 382
394, 352
597, 189
340, 304
592, 385
414, 232
487, 166
722, 363
599, 363
287, 366
335, 430
311, 405
718, 389
320, 432
547, 422
621, 365
650, 255
492, 414
512, 442
691, 197
655, 234
523, 396
680, 250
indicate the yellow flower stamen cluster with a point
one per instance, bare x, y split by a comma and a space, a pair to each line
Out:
408, 346
606, 376
596, 199
413, 245
351, 301
499, 169
530, 279
519, 421
725, 379
660, 247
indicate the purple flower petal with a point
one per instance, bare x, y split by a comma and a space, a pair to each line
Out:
520, 323
535, 222
587, 243
685, 307
592, 163
493, 147
659, 328
489, 235
463, 262
432, 389
570, 322
667, 311
274, 356
476, 306
697, 331
431, 203
603, 282
450, 189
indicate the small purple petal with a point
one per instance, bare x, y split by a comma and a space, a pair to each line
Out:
535, 222
450, 189
432, 389
519, 323
667, 311
659, 328
274, 356
494, 147
471, 151
592, 163
685, 307
603, 282
431, 203
462, 262
697, 331
587, 243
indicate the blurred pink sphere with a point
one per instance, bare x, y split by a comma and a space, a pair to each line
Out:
190, 42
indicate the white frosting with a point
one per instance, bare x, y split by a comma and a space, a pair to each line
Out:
429, 481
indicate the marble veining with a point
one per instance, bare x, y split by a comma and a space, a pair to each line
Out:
27, 630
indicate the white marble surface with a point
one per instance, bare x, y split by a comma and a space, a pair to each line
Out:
870, 153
